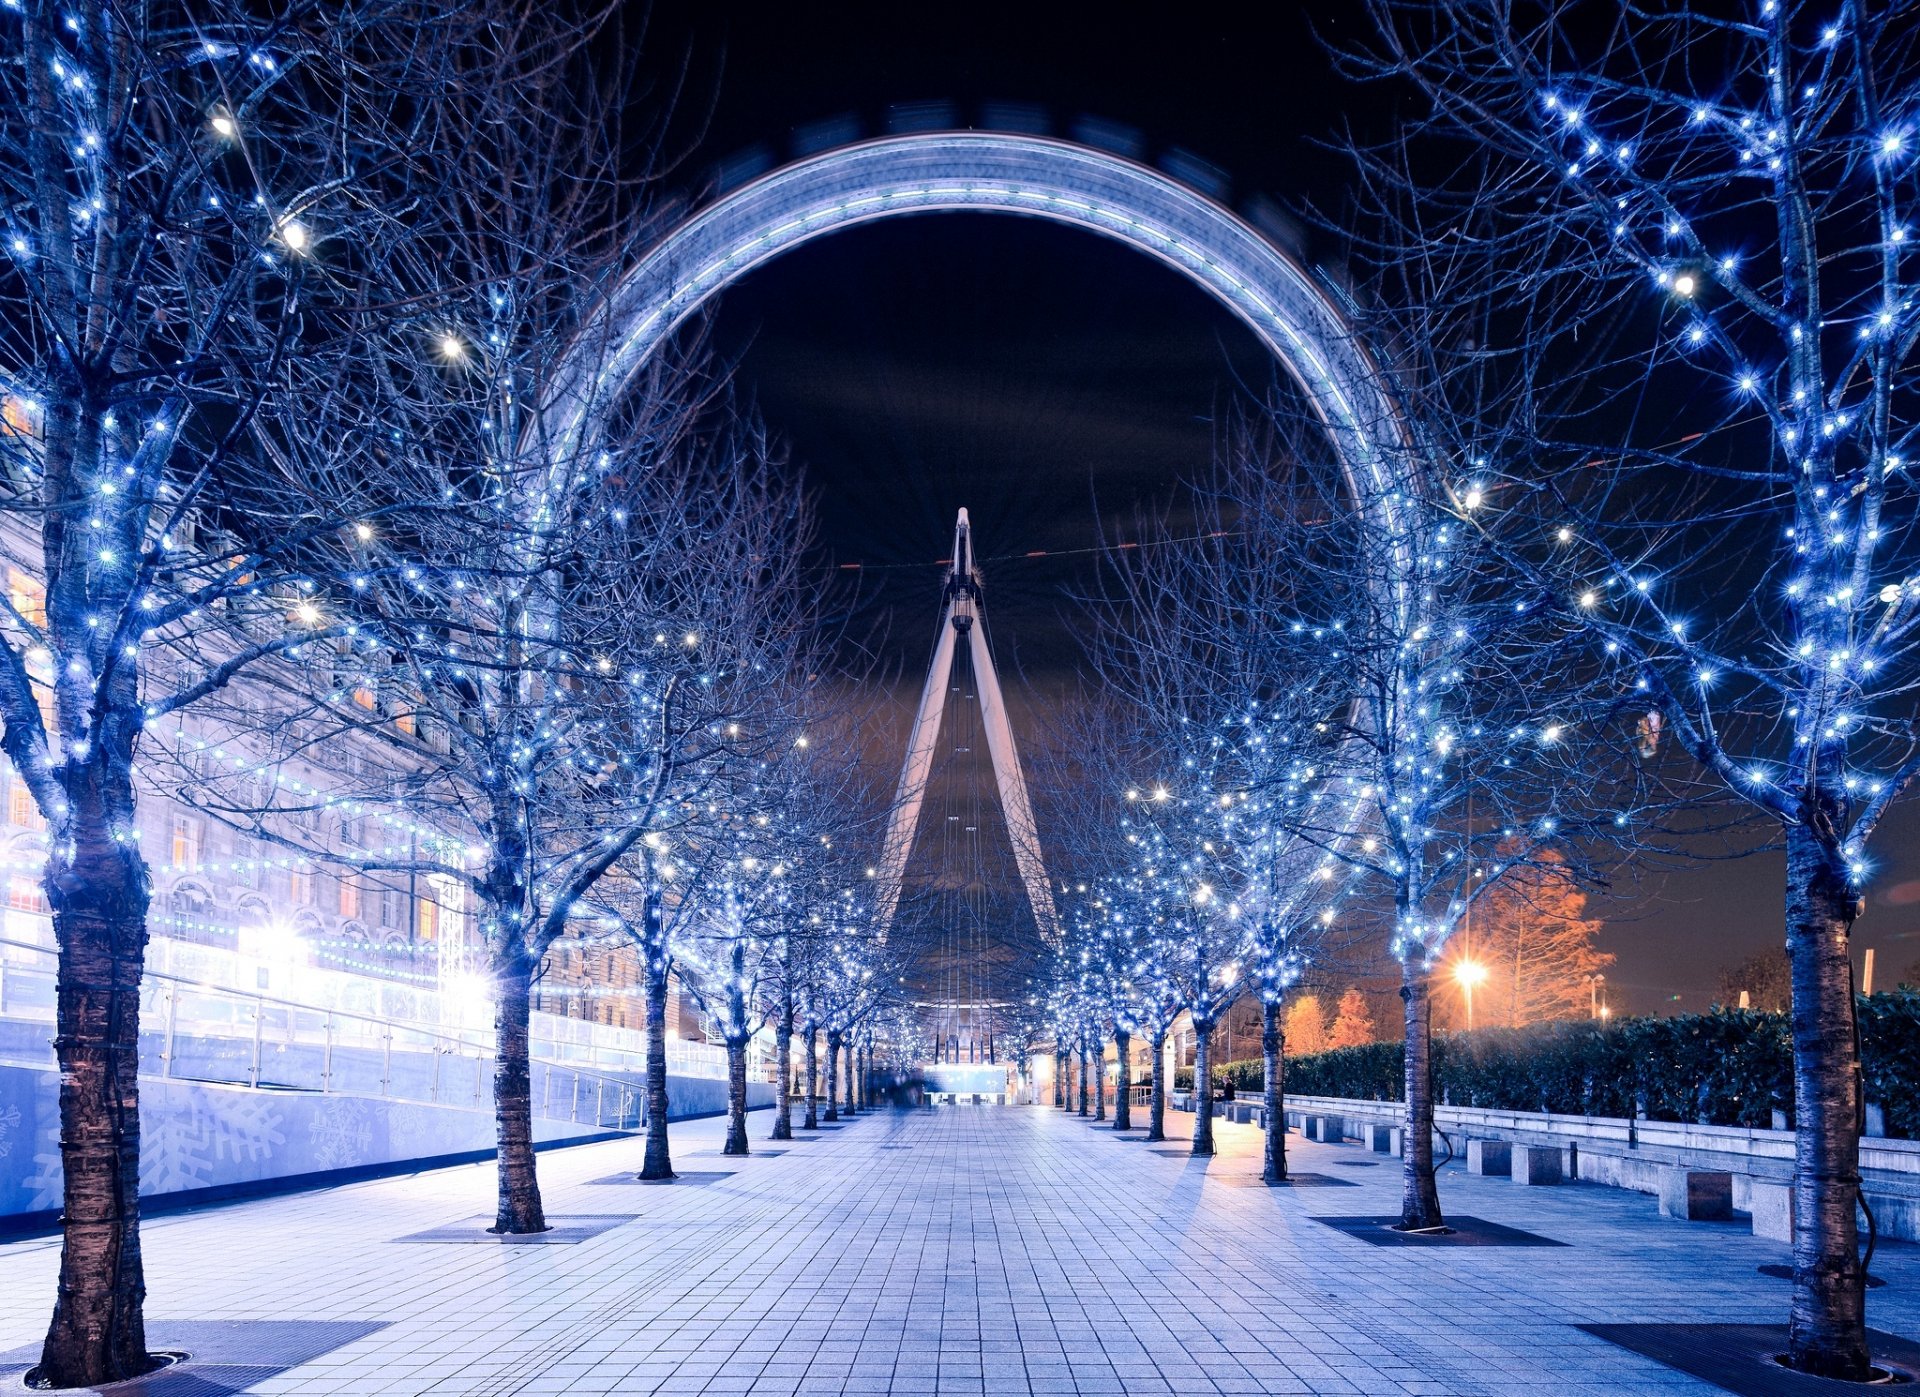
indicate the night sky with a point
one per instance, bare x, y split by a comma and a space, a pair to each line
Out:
1048, 380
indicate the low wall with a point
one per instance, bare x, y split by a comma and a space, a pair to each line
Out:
1632, 1154
202, 1139
707, 1096
1768, 1150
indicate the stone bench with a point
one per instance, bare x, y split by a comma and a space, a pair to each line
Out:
1698, 1195
1770, 1204
1383, 1139
1328, 1130
1538, 1164
1490, 1158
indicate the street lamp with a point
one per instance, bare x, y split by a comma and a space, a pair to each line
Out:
1594, 982
1468, 973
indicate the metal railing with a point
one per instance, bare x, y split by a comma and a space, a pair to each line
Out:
198, 1032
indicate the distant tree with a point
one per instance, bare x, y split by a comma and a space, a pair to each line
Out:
1352, 1024
1306, 1029
1768, 981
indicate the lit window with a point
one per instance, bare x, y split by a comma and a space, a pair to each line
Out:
26, 895
427, 919
186, 843
22, 417
349, 898
29, 598
21, 807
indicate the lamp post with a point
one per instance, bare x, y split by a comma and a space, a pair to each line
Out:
1594, 981
1468, 973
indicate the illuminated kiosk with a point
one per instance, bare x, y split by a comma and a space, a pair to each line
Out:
993, 172
968, 1083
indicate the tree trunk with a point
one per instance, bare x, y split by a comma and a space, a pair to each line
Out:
852, 1076
1099, 1080
1202, 1088
1083, 1076
657, 1163
518, 1209
833, 1074
1420, 1197
1060, 1075
811, 1117
737, 1035
736, 1098
1273, 1049
99, 899
1157, 1105
1828, 1325
1122, 1105
783, 1061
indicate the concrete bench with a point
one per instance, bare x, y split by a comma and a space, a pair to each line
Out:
1491, 1158
1383, 1139
1771, 1205
1538, 1164
1328, 1130
1698, 1195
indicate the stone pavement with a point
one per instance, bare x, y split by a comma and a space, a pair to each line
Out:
969, 1250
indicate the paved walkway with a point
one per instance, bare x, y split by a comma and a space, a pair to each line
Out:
971, 1250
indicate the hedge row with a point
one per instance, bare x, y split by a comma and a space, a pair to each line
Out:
1729, 1067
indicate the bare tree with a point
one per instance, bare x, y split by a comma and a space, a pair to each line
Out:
1193, 624
184, 190
1665, 294
1459, 740
526, 771
804, 812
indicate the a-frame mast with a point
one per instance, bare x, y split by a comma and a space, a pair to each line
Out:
962, 617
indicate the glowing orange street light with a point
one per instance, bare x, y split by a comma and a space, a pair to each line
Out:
1467, 974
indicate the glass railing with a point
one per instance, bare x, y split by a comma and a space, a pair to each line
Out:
197, 1032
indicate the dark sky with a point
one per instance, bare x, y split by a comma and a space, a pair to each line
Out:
1023, 370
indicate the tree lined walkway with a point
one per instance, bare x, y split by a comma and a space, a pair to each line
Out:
965, 1251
